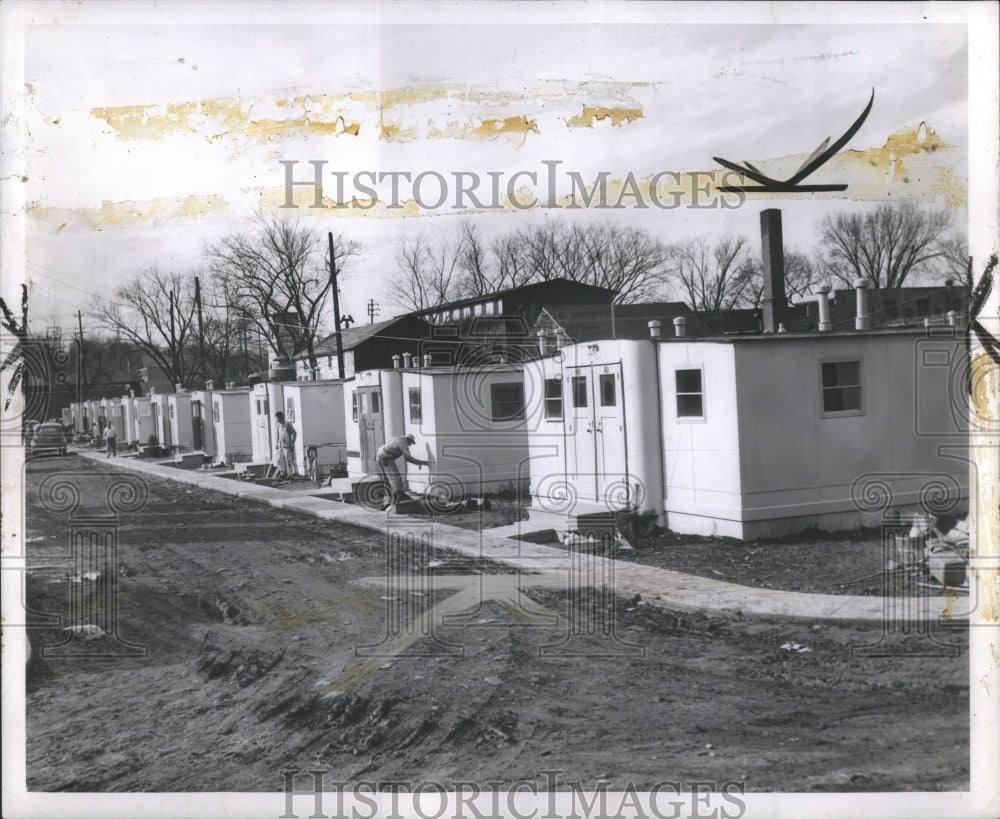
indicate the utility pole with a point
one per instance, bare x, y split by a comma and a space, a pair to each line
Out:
336, 310
173, 343
201, 326
79, 359
372, 310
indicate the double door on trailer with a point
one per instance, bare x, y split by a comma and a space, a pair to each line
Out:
370, 425
197, 426
596, 458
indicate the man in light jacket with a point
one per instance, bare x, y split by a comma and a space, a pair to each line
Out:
385, 462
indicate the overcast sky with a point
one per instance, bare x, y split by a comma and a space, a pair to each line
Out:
146, 139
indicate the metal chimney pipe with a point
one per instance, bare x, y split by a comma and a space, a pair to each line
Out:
395, 362
654, 328
230, 385
680, 326
210, 385
862, 321
775, 303
407, 359
560, 338
427, 359
823, 300
951, 318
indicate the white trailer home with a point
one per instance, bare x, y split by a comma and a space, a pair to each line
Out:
142, 419
111, 409
316, 410
202, 431
231, 425
469, 422
179, 418
161, 419
748, 436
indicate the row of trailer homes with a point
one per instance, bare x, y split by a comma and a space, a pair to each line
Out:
748, 424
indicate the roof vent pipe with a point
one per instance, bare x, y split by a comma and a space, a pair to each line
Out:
680, 326
230, 385
951, 318
823, 299
654, 328
560, 338
407, 359
543, 342
427, 359
395, 362
862, 321
210, 385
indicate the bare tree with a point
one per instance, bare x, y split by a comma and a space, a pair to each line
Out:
801, 278
715, 277
629, 261
884, 246
429, 272
279, 278
155, 312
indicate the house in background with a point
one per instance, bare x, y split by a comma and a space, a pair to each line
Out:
469, 423
472, 331
365, 347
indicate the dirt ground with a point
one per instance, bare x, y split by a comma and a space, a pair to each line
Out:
250, 616
817, 562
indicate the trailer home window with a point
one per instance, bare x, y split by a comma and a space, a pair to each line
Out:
841, 386
690, 398
416, 408
579, 390
507, 402
354, 405
608, 396
553, 398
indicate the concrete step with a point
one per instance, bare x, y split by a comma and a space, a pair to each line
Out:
583, 518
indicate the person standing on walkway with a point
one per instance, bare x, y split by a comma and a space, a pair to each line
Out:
284, 456
110, 438
385, 463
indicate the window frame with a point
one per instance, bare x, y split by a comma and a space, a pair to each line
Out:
355, 404
576, 381
703, 415
548, 400
506, 419
860, 387
412, 392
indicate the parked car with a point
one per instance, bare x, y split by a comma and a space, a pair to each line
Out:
47, 438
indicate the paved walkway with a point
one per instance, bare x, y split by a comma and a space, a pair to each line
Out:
661, 587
